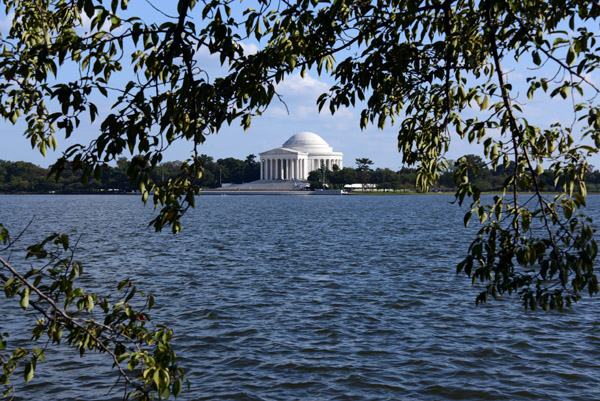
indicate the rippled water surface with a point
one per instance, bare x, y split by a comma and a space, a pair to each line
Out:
313, 298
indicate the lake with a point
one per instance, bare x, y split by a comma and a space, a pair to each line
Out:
312, 298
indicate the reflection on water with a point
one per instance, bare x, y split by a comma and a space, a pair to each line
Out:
280, 298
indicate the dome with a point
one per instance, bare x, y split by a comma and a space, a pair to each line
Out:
307, 142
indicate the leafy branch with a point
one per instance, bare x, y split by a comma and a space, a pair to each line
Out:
140, 351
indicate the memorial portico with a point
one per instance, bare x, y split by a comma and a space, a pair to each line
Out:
298, 156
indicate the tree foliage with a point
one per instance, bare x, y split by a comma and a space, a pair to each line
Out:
437, 68
139, 350
364, 164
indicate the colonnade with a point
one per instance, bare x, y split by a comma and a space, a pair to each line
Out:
283, 169
327, 162
294, 169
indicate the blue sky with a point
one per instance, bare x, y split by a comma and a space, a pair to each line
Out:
341, 130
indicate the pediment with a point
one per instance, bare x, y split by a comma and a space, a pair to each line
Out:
282, 151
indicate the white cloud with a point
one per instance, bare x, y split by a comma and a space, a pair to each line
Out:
295, 85
204, 53
303, 112
513, 75
277, 112
309, 113
249, 48
300, 96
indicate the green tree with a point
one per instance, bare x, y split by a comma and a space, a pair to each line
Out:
251, 169
364, 164
233, 170
440, 66
320, 178
251, 159
343, 176
315, 179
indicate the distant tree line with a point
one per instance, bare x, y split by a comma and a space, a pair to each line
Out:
21, 177
385, 179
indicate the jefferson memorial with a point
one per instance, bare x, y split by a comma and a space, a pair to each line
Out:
299, 155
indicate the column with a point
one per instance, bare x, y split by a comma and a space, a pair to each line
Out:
281, 167
296, 161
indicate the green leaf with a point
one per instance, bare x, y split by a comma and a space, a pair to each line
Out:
467, 217
571, 56
177, 388
28, 373
88, 7
539, 170
8, 282
568, 210
89, 303
25, 298
525, 220
486, 103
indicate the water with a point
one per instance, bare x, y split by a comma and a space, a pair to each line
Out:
313, 298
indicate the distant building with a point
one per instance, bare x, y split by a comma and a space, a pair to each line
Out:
298, 156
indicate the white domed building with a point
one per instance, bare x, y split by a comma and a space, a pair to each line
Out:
299, 155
